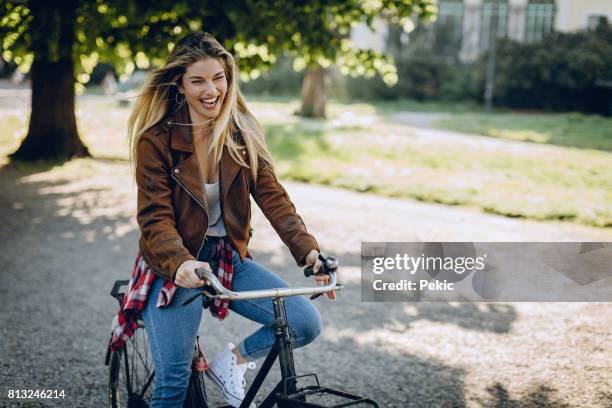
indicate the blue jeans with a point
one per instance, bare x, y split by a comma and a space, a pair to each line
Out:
172, 330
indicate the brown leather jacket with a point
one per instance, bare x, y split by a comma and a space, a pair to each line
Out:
172, 212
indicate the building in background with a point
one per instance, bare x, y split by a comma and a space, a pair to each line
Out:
520, 20
467, 23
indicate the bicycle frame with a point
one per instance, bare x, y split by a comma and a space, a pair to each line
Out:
286, 394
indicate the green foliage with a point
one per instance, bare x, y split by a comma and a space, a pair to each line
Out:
280, 79
134, 34
566, 71
427, 67
563, 72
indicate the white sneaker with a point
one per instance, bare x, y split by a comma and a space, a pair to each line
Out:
228, 375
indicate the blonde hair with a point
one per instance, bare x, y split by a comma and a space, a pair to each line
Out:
159, 98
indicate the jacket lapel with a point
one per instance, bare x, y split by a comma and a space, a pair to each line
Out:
227, 171
187, 172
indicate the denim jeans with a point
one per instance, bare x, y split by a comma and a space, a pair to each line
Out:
172, 330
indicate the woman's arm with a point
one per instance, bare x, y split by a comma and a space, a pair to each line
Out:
274, 202
155, 214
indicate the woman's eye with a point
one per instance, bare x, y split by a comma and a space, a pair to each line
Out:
218, 78
196, 82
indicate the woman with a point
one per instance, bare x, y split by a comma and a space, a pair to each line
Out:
199, 155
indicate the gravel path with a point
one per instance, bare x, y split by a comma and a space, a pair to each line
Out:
68, 233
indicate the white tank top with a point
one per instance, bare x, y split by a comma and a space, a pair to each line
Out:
216, 228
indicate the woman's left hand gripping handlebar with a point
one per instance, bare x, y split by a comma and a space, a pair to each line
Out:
321, 279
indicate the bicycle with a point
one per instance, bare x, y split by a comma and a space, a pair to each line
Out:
287, 393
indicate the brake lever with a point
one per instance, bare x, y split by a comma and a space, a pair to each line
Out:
208, 298
329, 264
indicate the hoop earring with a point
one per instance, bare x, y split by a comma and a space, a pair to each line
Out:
176, 99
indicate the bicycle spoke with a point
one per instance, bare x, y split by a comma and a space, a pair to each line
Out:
128, 383
146, 386
123, 396
137, 372
145, 364
135, 381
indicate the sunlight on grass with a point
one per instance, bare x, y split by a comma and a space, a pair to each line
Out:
356, 148
561, 129
523, 135
539, 182
12, 129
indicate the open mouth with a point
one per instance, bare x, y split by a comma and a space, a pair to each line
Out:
210, 103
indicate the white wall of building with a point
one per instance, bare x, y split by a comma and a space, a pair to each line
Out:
574, 15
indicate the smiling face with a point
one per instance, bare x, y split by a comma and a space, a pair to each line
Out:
204, 85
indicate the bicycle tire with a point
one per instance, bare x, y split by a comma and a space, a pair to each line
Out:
131, 388
141, 377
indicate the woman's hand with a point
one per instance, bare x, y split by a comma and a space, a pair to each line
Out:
186, 276
321, 279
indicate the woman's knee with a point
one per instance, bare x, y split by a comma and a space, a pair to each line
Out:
307, 327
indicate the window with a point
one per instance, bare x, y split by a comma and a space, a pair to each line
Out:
493, 9
540, 18
450, 14
449, 27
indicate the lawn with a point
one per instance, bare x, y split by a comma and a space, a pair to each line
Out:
564, 129
357, 148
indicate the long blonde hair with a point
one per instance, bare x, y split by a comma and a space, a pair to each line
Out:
159, 98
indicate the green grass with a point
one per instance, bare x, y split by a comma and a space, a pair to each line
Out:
385, 106
357, 148
567, 129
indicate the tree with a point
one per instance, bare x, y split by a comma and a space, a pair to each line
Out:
60, 43
52, 131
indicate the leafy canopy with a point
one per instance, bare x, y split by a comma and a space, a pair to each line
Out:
139, 34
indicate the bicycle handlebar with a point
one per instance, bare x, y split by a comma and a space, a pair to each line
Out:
224, 293
329, 266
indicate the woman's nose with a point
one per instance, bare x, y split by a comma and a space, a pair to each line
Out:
209, 88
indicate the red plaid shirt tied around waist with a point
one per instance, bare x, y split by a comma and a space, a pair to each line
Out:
139, 287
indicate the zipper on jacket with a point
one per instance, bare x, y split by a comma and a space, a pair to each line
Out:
201, 205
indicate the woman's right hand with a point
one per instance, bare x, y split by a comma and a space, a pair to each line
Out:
186, 276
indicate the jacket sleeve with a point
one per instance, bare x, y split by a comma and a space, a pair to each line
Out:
274, 202
155, 214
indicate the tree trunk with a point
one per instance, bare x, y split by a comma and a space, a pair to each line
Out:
52, 132
313, 94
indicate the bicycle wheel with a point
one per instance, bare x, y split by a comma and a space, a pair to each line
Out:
131, 373
132, 376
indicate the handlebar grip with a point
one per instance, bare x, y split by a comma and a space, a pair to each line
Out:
329, 264
308, 271
207, 301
